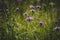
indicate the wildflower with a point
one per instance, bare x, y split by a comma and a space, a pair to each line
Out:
17, 8
32, 7
25, 14
38, 6
57, 28
29, 18
32, 10
41, 23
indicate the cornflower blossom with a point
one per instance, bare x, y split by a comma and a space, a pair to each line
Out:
17, 9
32, 7
57, 28
41, 23
19, 0
38, 6
32, 10
29, 18
25, 14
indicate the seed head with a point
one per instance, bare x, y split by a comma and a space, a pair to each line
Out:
41, 23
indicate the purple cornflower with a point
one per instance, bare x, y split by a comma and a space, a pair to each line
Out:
17, 8
32, 10
32, 7
29, 18
25, 14
38, 6
57, 28
41, 23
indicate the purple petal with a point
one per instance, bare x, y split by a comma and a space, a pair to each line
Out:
32, 7
41, 23
38, 6
29, 18
32, 10
17, 8
57, 28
